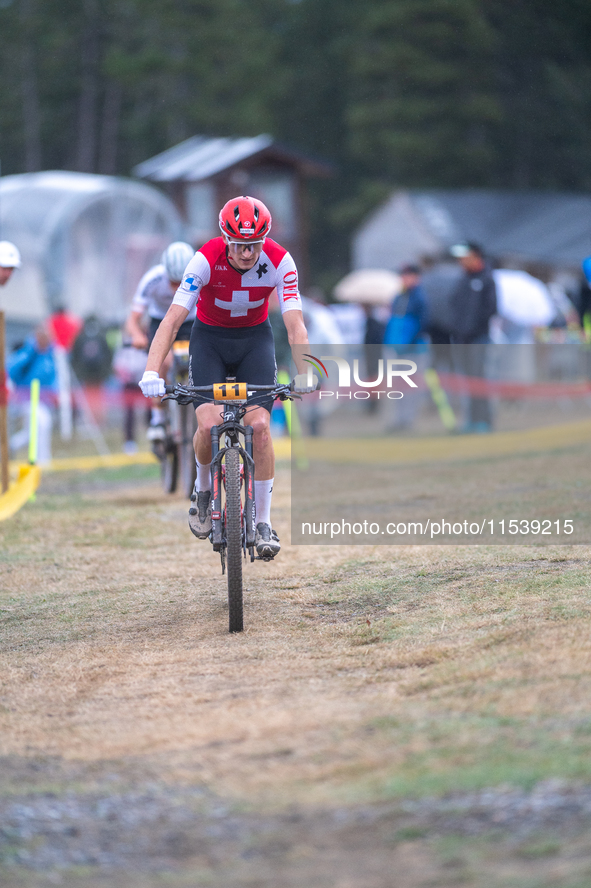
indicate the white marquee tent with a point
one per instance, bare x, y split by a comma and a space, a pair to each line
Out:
85, 241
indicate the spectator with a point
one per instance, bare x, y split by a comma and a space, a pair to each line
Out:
91, 356
373, 338
473, 303
584, 299
64, 328
10, 259
35, 360
474, 300
405, 331
408, 317
322, 330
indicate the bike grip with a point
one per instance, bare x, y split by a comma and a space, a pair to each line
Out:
169, 389
292, 385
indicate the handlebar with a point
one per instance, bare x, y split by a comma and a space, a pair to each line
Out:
187, 394
202, 389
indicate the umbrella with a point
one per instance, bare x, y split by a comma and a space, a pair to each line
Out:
523, 299
371, 286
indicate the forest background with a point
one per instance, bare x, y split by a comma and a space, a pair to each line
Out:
396, 93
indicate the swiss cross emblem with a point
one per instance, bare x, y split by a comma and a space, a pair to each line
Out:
240, 304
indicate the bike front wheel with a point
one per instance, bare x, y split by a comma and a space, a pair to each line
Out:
234, 540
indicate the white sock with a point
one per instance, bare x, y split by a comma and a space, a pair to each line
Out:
157, 417
263, 492
203, 476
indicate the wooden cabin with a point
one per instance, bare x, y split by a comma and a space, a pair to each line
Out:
202, 173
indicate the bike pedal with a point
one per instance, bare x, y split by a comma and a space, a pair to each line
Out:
264, 557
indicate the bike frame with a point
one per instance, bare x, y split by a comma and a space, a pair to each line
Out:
234, 430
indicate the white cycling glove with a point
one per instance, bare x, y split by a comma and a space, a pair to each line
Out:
152, 385
301, 384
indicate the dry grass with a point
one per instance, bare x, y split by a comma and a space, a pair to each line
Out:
361, 673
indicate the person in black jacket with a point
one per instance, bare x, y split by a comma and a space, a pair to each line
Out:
472, 305
474, 301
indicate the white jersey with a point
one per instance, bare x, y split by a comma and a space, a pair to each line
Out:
154, 294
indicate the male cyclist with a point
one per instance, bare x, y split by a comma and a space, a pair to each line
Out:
153, 297
230, 279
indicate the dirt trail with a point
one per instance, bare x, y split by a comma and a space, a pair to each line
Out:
356, 667
130, 654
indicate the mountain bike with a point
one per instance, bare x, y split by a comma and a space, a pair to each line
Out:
232, 476
175, 452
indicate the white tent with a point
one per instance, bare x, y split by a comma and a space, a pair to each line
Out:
85, 241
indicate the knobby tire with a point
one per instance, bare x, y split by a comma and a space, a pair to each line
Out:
187, 466
169, 468
234, 540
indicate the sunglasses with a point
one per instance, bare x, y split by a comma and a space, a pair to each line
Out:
237, 243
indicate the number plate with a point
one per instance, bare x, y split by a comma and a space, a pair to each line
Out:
226, 391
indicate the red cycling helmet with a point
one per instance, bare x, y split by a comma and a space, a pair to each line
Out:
245, 219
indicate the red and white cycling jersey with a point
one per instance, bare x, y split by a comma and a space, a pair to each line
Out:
227, 298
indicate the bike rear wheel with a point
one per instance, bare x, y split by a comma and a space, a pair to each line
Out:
234, 540
169, 467
187, 466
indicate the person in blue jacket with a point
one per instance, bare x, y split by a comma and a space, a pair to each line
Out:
584, 301
408, 318
34, 360
405, 334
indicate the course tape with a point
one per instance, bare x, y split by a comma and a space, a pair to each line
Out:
28, 477
479, 387
108, 461
282, 448
20, 492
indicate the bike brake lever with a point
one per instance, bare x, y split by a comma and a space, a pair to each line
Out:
178, 394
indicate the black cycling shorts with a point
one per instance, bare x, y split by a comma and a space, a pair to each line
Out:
184, 333
248, 353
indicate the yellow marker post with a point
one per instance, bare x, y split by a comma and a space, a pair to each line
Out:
446, 414
29, 476
34, 427
292, 421
34, 422
20, 492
